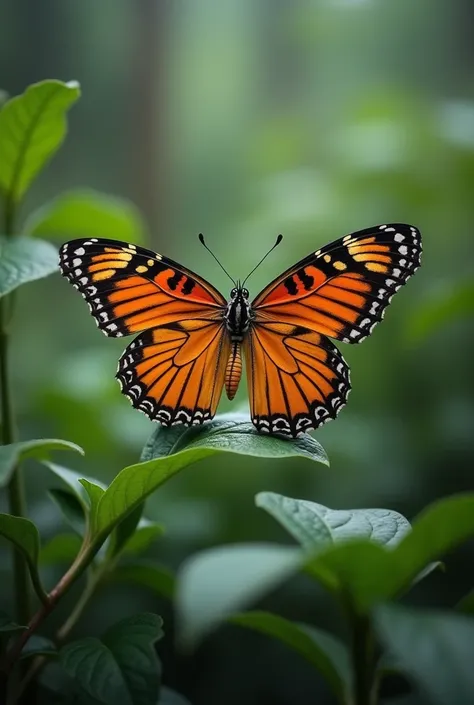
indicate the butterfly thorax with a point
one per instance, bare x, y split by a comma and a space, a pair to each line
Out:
238, 315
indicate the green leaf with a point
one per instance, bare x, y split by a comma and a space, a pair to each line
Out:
25, 537
316, 526
152, 576
122, 667
13, 454
73, 480
7, 626
38, 646
94, 493
440, 310
220, 581
32, 128
327, 654
71, 509
466, 605
146, 533
223, 435
62, 548
171, 697
123, 531
433, 648
87, 213
230, 433
24, 259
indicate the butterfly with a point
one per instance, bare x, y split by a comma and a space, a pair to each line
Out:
191, 340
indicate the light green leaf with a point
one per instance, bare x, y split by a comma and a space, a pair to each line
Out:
223, 435
327, 654
87, 213
122, 667
95, 493
25, 537
13, 454
73, 480
38, 646
220, 581
152, 576
62, 548
433, 648
441, 310
71, 509
315, 526
24, 259
32, 128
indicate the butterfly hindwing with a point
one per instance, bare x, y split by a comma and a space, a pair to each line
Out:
175, 374
297, 379
130, 289
343, 289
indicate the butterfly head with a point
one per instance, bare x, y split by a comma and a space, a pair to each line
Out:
239, 292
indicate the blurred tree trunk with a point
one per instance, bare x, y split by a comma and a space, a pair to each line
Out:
149, 177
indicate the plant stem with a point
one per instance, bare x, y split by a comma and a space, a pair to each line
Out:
363, 661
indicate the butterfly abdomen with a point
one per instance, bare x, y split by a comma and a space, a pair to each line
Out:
233, 371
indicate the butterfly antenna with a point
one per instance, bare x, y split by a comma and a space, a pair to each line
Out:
201, 240
278, 240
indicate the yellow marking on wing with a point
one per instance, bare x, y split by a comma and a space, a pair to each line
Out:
339, 265
327, 258
141, 269
103, 274
376, 267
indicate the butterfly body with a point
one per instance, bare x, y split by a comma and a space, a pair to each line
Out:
191, 340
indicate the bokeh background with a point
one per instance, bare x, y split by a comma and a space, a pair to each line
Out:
242, 119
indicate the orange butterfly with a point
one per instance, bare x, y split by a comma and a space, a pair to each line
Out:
191, 338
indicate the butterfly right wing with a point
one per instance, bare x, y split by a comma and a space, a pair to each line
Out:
130, 289
175, 374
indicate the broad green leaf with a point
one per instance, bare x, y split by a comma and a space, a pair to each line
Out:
25, 537
440, 310
87, 213
123, 531
147, 532
327, 654
230, 433
433, 648
134, 483
62, 548
122, 666
24, 259
147, 574
32, 128
71, 509
38, 646
171, 697
316, 526
7, 626
218, 582
466, 605
13, 454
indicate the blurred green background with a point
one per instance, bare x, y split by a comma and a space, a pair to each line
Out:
242, 119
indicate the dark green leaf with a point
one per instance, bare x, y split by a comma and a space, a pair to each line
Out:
73, 480
71, 509
122, 667
25, 537
13, 454
322, 650
147, 532
316, 526
433, 648
149, 575
466, 605
62, 548
220, 581
440, 310
32, 127
229, 433
7, 626
171, 697
123, 531
24, 259
87, 213
38, 646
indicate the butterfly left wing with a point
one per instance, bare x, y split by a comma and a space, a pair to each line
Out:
175, 374
130, 289
297, 378
342, 290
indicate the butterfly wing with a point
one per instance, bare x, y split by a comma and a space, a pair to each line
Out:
175, 373
342, 290
297, 378
130, 289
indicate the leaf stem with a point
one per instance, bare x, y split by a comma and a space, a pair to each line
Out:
363, 661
